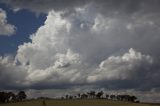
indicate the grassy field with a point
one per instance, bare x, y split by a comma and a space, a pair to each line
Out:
77, 103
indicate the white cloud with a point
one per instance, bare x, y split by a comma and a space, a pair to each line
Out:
88, 47
62, 52
121, 67
5, 28
47, 42
11, 75
49, 58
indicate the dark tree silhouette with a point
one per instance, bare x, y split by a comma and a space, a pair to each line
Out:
11, 97
79, 95
91, 94
21, 96
7, 97
126, 98
99, 94
75, 97
133, 98
84, 96
107, 96
67, 96
2, 97
70, 97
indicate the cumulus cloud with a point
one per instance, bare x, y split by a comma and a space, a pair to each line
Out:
124, 71
11, 75
49, 59
5, 28
62, 52
109, 44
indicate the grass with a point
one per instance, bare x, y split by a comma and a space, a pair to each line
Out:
85, 102
28, 103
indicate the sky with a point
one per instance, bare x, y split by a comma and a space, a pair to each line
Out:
54, 47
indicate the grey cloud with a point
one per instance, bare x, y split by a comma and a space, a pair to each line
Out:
43, 6
88, 43
5, 28
11, 75
132, 70
110, 7
75, 45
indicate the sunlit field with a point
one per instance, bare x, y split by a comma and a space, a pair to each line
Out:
85, 102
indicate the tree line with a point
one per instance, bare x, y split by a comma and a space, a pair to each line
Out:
6, 97
102, 95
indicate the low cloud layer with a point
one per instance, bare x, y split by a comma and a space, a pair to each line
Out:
5, 28
110, 45
112, 6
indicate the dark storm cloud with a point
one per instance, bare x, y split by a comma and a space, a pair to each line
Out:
44, 5
125, 6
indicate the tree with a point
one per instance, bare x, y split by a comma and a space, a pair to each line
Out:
84, 96
70, 97
67, 96
133, 98
10, 96
21, 96
91, 94
99, 94
13, 98
79, 95
7, 97
2, 97
107, 96
75, 97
